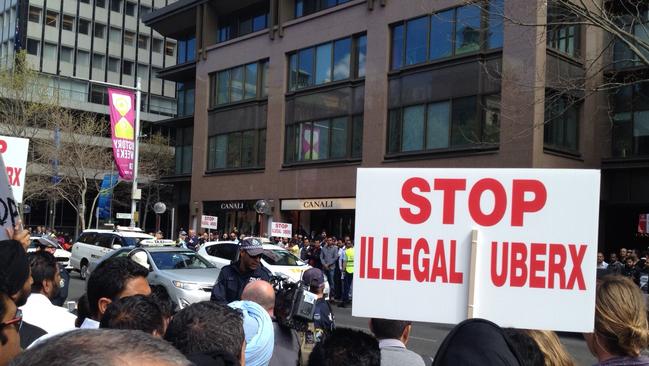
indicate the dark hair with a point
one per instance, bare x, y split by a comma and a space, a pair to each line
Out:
388, 328
3, 310
526, 347
44, 267
137, 312
346, 347
83, 310
14, 267
109, 279
160, 295
86, 347
207, 327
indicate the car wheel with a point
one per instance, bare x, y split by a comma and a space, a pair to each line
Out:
83, 272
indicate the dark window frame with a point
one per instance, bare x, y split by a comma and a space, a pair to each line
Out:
553, 32
480, 108
257, 155
549, 121
259, 95
485, 11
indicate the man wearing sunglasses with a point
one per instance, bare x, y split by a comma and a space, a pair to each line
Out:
234, 277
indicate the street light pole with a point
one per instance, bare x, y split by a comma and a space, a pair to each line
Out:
134, 191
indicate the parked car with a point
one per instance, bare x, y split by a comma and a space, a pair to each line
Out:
186, 275
94, 244
62, 256
278, 260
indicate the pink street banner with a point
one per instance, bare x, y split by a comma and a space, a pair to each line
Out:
122, 127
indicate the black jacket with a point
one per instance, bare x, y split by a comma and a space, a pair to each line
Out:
287, 347
230, 284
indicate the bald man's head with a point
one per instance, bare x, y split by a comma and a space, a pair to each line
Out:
262, 293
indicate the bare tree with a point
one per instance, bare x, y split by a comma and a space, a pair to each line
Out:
156, 161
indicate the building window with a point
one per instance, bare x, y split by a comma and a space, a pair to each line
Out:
83, 58
238, 83
35, 14
183, 147
84, 26
98, 61
562, 32
306, 7
328, 139
68, 23
116, 5
144, 10
162, 106
327, 62
143, 71
561, 128
186, 50
454, 32
127, 67
170, 48
185, 98
100, 30
130, 8
113, 64
443, 125
630, 130
33, 46
236, 150
156, 45
115, 35
100, 3
242, 23
98, 94
51, 18
142, 41
66, 54
129, 38
49, 51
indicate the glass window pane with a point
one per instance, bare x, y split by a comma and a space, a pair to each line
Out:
357, 137
223, 93
320, 140
179, 160
491, 128
437, 132
305, 71
397, 47
264, 79
234, 150
251, 81
259, 22
323, 64
466, 128
641, 132
413, 128
572, 125
339, 138
496, 13
394, 135
622, 135
220, 150
236, 84
187, 159
290, 151
361, 53
342, 55
261, 151
293, 72
304, 146
248, 149
416, 39
441, 34
467, 29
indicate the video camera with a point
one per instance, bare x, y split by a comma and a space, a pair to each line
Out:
294, 304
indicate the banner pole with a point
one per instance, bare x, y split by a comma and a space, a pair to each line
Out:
138, 101
472, 270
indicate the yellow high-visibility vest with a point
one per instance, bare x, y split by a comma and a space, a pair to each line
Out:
349, 257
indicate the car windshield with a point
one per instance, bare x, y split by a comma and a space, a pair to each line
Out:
132, 241
179, 260
276, 257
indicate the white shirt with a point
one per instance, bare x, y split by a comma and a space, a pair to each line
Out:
39, 311
89, 324
602, 265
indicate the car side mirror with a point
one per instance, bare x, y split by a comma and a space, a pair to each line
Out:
117, 246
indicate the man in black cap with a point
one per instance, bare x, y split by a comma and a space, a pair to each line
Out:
234, 277
323, 318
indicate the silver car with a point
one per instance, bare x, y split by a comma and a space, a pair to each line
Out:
187, 276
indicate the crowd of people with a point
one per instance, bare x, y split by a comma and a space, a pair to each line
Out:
629, 263
123, 320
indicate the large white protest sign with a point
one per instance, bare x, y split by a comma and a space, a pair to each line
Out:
209, 222
535, 256
8, 209
14, 152
281, 230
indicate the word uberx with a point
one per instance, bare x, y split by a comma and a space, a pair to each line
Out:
513, 264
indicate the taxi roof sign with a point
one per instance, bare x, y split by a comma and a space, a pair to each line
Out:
157, 243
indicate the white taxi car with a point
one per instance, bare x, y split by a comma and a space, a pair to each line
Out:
62, 256
94, 244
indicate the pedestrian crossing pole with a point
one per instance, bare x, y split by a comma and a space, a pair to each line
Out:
135, 194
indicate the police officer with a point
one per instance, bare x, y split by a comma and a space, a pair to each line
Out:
234, 277
47, 245
323, 318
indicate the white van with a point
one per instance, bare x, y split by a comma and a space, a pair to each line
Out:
94, 244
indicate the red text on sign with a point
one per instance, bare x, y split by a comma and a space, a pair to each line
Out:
13, 173
413, 189
416, 260
538, 266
